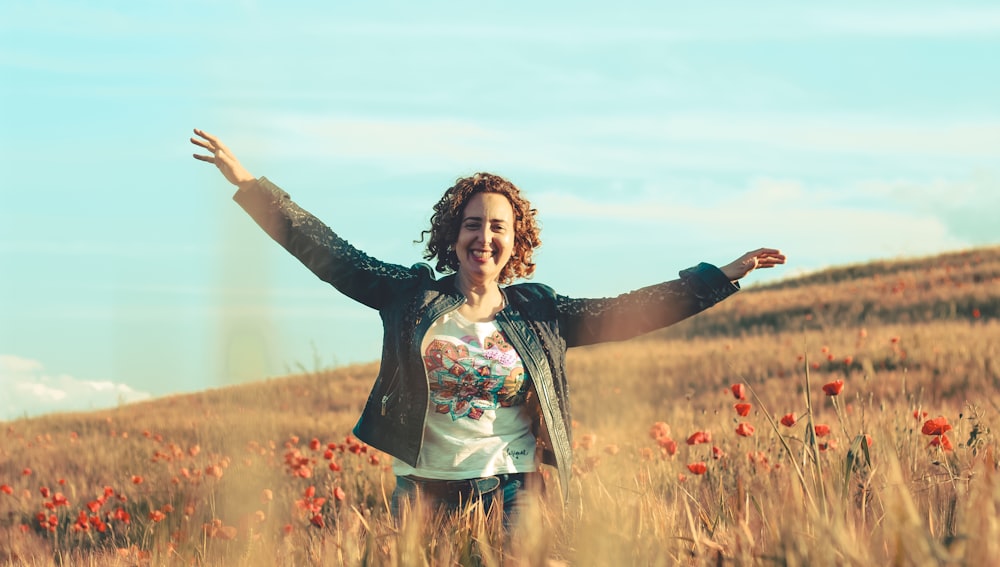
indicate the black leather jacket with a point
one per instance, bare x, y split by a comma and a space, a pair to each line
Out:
539, 323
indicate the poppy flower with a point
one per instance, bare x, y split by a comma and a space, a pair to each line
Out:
937, 426
821, 429
668, 445
833, 388
157, 516
976, 314
744, 429
6, 489
659, 429
739, 391
717, 453
44, 490
698, 468
339, 494
136, 479
743, 409
918, 415
788, 419
941, 441
315, 444
699, 437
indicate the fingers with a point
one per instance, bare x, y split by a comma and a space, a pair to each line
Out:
767, 257
210, 143
213, 139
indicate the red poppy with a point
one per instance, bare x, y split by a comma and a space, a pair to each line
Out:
698, 468
334, 466
339, 494
659, 429
868, 440
717, 453
788, 419
833, 388
315, 444
44, 491
918, 415
668, 445
26, 471
941, 441
136, 479
317, 521
821, 429
59, 499
699, 437
937, 426
744, 429
739, 391
6, 489
743, 409
976, 314
157, 516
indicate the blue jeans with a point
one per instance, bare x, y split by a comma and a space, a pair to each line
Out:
511, 492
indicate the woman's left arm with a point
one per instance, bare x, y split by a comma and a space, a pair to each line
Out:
589, 321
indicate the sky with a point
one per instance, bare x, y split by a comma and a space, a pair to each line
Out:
650, 136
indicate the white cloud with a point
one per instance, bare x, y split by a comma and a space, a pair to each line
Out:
817, 226
27, 390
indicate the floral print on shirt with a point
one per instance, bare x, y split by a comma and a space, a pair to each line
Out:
467, 379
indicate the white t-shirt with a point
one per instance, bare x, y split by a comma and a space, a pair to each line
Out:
477, 422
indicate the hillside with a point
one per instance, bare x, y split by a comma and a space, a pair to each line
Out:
956, 286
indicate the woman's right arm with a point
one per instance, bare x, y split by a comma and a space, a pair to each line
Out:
354, 273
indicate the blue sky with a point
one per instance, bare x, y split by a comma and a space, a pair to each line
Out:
650, 136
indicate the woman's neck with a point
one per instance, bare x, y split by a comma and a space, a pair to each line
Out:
483, 300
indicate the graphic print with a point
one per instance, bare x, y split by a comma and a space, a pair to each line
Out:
467, 379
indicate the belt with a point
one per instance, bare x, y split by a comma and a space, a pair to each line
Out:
454, 490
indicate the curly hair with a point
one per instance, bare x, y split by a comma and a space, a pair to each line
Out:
447, 220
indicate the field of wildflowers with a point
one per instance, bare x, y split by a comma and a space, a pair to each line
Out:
844, 419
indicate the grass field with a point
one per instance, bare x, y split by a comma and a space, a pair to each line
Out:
864, 436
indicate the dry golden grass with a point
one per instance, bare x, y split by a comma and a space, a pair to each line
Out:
242, 475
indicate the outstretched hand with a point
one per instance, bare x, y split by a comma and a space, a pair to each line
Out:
222, 158
760, 258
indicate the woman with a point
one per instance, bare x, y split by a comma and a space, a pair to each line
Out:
471, 395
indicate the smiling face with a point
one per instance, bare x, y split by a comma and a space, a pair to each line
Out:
485, 238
